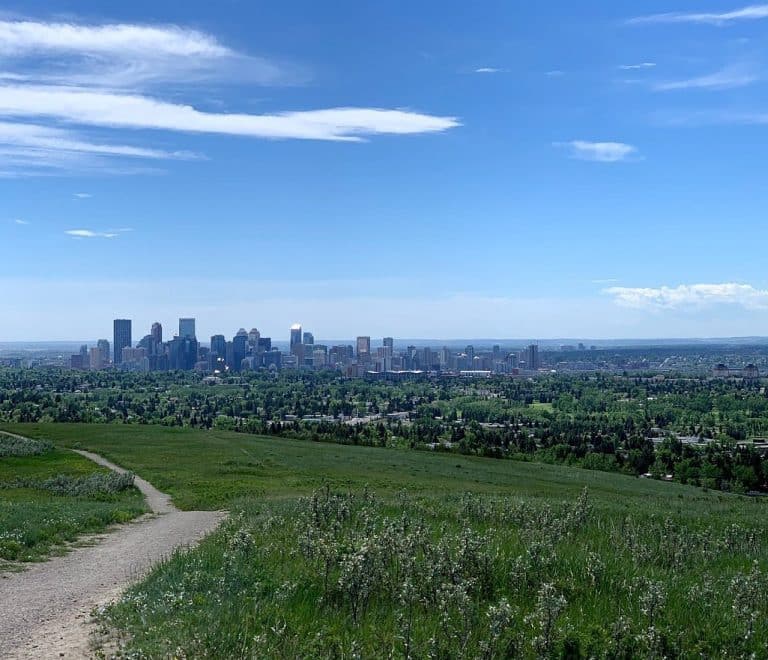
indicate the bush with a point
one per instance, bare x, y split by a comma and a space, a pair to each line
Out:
11, 445
98, 483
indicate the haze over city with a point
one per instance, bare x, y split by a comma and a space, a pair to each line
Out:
564, 170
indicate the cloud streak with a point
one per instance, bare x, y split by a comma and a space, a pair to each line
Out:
61, 80
636, 67
102, 108
749, 13
723, 79
46, 140
690, 296
122, 55
601, 152
26, 37
41, 149
89, 233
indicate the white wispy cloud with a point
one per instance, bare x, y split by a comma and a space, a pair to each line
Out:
690, 296
22, 37
19, 221
488, 69
103, 108
635, 67
555, 73
119, 55
89, 233
603, 152
727, 78
82, 195
749, 13
60, 78
50, 147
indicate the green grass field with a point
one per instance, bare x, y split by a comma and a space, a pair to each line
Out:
341, 552
34, 522
212, 469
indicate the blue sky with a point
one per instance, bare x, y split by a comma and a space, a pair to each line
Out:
426, 169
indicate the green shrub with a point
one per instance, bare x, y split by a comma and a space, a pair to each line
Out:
98, 483
13, 446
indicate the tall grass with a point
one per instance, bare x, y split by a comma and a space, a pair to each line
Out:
470, 576
96, 485
49, 498
35, 524
16, 446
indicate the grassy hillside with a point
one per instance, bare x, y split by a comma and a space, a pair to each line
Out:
211, 469
342, 552
49, 496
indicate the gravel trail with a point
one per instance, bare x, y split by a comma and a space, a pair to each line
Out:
45, 610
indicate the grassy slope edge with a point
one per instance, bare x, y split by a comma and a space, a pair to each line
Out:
526, 565
35, 522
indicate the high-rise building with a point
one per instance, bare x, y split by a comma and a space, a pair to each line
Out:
385, 354
78, 361
187, 328
253, 339
122, 338
273, 359
309, 338
147, 343
426, 358
264, 345
296, 347
95, 359
133, 354
156, 333
532, 357
219, 345
239, 349
319, 358
339, 355
363, 349
103, 346
182, 353
295, 335
218, 356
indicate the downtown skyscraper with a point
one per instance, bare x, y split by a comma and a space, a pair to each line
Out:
121, 338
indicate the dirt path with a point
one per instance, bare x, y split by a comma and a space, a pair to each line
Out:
45, 610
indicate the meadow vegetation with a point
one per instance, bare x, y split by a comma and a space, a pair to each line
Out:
690, 427
335, 551
357, 575
51, 496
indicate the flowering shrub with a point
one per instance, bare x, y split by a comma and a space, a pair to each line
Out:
94, 484
11, 445
356, 575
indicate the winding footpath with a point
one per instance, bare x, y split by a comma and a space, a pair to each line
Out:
45, 611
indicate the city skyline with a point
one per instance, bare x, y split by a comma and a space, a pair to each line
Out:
576, 169
250, 350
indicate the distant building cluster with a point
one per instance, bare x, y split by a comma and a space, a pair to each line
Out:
249, 351
750, 372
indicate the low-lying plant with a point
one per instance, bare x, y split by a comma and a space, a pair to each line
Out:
475, 576
11, 445
48, 499
92, 485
